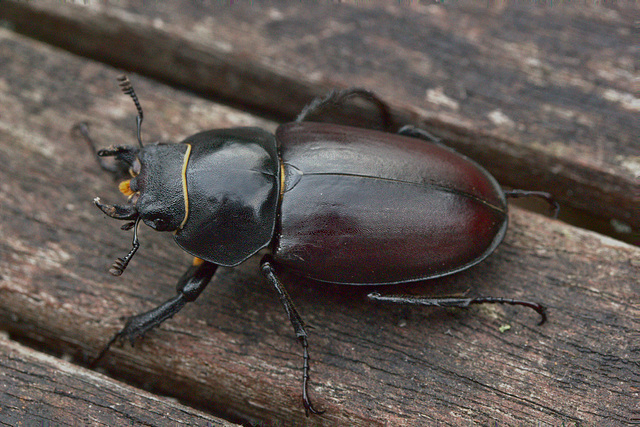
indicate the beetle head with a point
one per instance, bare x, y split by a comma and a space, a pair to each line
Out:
155, 191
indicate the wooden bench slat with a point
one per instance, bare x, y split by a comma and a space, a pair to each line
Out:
545, 102
39, 388
232, 352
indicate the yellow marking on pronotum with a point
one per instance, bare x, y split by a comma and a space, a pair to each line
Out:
184, 185
197, 261
125, 188
281, 179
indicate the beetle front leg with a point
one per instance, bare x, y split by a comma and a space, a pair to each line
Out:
189, 287
458, 302
269, 273
118, 169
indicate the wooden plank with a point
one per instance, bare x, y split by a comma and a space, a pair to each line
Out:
541, 96
38, 389
232, 352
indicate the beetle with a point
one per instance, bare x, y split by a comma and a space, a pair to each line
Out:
331, 203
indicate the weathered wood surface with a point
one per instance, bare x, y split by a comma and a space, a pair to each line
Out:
232, 352
39, 389
544, 97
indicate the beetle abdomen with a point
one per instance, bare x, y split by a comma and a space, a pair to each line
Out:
361, 207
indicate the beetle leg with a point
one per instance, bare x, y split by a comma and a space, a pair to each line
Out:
189, 287
269, 273
339, 96
118, 169
416, 132
553, 204
458, 302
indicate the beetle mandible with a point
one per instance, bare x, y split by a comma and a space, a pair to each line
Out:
331, 203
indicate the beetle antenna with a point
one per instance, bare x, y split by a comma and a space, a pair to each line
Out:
120, 264
127, 89
553, 204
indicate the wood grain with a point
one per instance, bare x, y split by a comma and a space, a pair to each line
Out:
541, 96
38, 388
232, 352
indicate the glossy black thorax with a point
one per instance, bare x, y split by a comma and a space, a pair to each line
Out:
232, 182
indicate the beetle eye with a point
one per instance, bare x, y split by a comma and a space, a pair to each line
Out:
158, 222
161, 224
133, 184
135, 167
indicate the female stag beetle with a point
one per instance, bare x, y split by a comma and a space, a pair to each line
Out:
332, 203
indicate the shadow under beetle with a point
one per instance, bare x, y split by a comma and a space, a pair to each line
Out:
332, 203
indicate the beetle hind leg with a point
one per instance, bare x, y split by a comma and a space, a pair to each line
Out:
458, 302
189, 287
416, 132
554, 206
269, 273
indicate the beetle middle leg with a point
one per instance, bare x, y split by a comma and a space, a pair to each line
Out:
189, 287
339, 96
416, 132
268, 270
